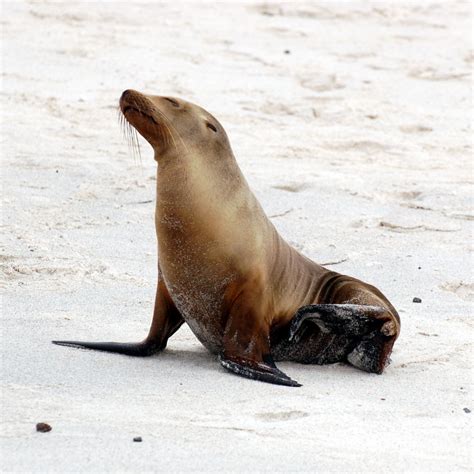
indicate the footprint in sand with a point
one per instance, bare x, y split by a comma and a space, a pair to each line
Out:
430, 74
462, 290
365, 146
415, 129
320, 83
408, 195
414, 228
277, 109
281, 416
292, 187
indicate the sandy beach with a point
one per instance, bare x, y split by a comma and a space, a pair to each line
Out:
351, 122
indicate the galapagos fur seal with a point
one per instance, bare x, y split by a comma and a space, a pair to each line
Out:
246, 294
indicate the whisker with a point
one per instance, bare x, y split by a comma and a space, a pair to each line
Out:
165, 130
137, 146
129, 137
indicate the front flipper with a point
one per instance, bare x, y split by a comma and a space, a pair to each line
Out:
166, 321
140, 349
257, 370
246, 340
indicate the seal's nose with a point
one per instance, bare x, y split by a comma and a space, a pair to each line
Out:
125, 94
128, 97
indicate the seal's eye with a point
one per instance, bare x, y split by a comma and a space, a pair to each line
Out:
209, 125
172, 101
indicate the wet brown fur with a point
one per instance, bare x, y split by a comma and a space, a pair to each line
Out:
223, 267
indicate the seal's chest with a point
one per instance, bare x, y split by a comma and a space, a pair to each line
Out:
197, 278
200, 304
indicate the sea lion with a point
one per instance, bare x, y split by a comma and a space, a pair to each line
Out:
246, 294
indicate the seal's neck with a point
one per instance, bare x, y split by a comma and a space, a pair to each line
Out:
201, 177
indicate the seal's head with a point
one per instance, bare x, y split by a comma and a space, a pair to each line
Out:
172, 126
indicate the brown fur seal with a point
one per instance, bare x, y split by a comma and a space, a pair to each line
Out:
224, 269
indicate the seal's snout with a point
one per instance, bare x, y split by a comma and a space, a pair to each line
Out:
133, 102
126, 97
126, 94
142, 114
131, 97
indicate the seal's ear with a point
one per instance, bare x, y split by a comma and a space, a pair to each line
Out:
211, 127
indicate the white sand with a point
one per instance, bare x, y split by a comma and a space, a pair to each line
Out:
357, 142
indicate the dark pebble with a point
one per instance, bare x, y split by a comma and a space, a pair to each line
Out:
137, 439
287, 51
466, 410
416, 300
43, 427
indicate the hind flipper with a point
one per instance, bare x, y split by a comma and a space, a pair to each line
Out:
372, 354
166, 321
348, 319
372, 328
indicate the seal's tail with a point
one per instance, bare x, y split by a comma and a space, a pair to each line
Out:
140, 349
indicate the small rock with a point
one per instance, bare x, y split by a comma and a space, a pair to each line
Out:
43, 427
466, 410
416, 300
287, 51
137, 439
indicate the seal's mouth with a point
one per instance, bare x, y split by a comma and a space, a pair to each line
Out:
128, 109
